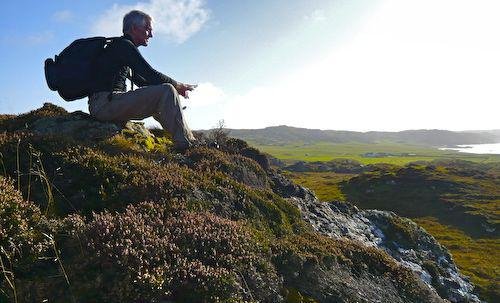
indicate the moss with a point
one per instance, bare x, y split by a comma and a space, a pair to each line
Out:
239, 167
403, 230
326, 185
319, 249
300, 253
261, 208
129, 140
434, 271
473, 256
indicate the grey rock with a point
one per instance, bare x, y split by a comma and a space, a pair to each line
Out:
401, 238
82, 126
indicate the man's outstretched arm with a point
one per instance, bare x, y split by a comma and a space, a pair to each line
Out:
143, 74
141, 68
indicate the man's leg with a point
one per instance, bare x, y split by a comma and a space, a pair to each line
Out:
160, 101
171, 117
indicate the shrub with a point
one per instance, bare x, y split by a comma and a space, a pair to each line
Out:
151, 253
18, 220
238, 167
20, 239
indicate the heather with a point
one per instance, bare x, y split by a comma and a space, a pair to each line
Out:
114, 214
151, 253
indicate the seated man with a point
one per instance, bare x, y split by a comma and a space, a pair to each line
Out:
157, 95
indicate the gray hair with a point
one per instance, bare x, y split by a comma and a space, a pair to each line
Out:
134, 18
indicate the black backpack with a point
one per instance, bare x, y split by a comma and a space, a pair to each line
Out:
71, 74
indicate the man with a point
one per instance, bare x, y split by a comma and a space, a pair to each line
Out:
157, 95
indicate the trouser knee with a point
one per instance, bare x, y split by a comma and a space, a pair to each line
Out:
170, 94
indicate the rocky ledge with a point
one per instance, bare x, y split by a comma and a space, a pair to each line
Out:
401, 238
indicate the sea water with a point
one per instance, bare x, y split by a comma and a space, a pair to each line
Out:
493, 148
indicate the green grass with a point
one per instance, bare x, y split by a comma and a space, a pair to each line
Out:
463, 194
477, 258
327, 151
326, 185
423, 192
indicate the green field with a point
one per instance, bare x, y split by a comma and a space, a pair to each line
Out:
478, 256
326, 185
401, 154
475, 188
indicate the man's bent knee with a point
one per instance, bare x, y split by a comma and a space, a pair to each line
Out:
168, 87
170, 93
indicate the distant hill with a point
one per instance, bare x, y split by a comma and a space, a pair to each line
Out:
494, 132
277, 135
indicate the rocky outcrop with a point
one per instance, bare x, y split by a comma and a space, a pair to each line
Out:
215, 223
401, 238
81, 126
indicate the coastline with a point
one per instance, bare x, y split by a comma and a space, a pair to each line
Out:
488, 148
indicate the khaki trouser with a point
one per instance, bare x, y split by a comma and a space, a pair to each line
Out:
159, 101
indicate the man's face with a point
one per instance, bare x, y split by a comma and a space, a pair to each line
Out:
141, 34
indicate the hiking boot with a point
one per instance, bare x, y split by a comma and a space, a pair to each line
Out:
182, 147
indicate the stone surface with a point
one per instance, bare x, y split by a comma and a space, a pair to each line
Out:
82, 126
405, 241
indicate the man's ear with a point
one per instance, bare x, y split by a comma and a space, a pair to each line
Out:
133, 28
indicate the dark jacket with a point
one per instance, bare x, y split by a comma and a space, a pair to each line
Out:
112, 68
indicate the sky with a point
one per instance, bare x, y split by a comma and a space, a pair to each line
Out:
385, 65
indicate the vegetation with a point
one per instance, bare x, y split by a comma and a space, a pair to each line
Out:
325, 185
301, 254
125, 219
458, 193
366, 153
456, 201
160, 252
478, 258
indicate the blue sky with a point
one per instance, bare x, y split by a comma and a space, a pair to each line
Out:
338, 64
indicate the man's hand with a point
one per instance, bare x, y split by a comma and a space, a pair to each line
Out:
182, 89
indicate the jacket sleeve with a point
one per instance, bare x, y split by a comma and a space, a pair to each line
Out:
143, 73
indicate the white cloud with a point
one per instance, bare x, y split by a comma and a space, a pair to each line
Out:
62, 16
176, 19
206, 94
